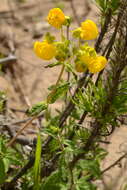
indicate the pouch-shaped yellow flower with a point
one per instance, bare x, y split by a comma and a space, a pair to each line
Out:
89, 30
44, 50
97, 64
56, 18
84, 56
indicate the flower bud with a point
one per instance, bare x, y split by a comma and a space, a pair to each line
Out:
77, 32
62, 51
67, 21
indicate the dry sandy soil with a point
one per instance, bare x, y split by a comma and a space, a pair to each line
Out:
20, 25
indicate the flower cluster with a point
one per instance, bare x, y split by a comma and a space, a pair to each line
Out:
85, 56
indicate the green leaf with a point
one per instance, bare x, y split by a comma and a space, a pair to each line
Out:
100, 154
63, 167
53, 182
58, 91
54, 64
37, 163
83, 134
102, 4
2, 145
70, 68
91, 166
6, 164
115, 4
105, 5
119, 103
83, 185
54, 145
2, 101
13, 160
37, 108
2, 171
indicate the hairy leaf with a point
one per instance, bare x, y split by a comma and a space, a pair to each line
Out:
37, 108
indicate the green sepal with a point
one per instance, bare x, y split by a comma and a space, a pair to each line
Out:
49, 38
76, 32
68, 21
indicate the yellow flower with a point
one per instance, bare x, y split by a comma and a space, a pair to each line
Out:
84, 57
89, 30
44, 50
97, 64
56, 18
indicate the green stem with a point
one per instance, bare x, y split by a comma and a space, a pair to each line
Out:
60, 75
61, 32
57, 82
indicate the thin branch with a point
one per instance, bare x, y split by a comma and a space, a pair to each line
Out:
21, 139
70, 107
20, 130
104, 29
115, 163
9, 59
17, 110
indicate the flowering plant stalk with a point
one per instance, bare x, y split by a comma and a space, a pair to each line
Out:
84, 56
